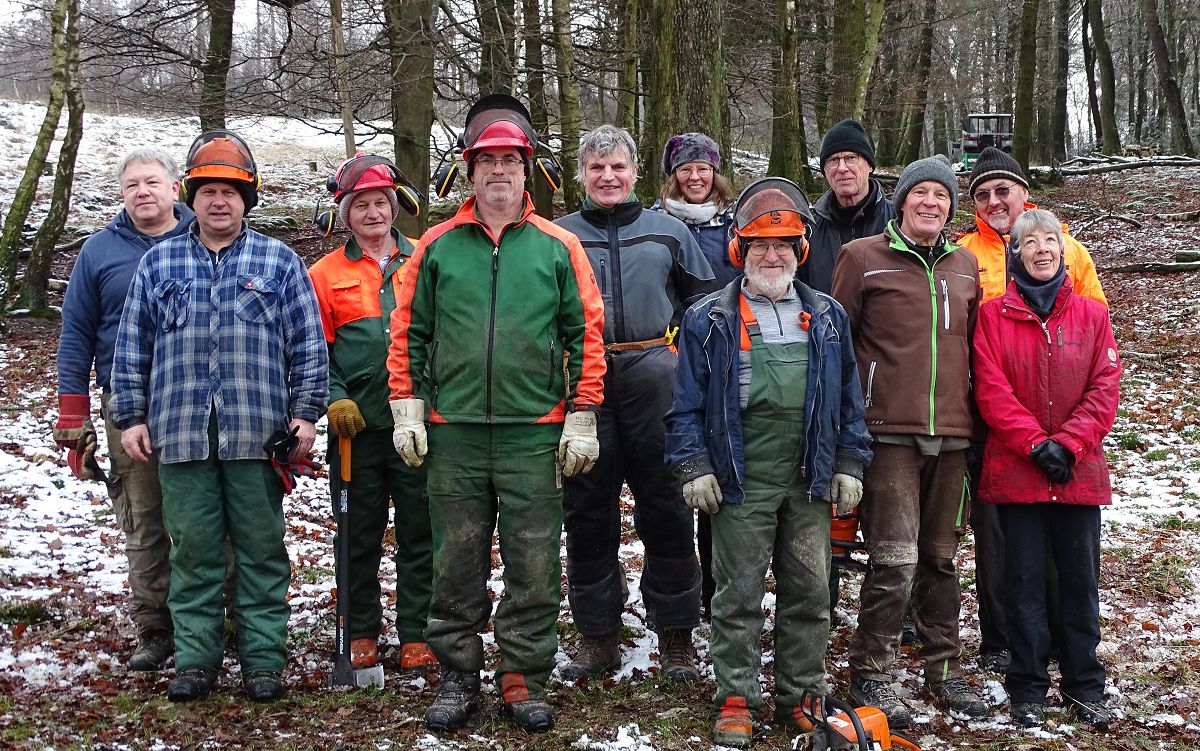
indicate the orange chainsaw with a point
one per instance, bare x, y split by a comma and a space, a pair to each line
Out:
839, 727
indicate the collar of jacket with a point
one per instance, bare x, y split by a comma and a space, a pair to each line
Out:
354, 252
620, 215
896, 241
466, 214
825, 205
1014, 304
726, 305
123, 226
194, 233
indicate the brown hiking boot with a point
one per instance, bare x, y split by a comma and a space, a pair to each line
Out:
677, 656
597, 657
734, 727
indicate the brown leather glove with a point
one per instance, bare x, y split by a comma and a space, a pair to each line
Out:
344, 418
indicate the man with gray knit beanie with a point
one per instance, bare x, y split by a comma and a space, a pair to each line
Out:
913, 351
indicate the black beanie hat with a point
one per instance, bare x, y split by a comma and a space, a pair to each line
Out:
848, 135
992, 164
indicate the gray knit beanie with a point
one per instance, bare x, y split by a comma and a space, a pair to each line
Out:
343, 205
936, 168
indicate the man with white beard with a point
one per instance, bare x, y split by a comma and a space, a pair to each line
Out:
755, 358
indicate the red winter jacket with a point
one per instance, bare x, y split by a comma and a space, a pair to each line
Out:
1035, 380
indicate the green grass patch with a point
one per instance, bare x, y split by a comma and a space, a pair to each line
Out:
1156, 455
1129, 441
1169, 575
30, 612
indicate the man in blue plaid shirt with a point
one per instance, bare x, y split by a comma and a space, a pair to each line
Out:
220, 346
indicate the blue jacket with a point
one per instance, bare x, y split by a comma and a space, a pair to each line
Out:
704, 428
99, 284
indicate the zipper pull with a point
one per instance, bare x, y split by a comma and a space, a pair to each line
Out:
1060, 336
495, 259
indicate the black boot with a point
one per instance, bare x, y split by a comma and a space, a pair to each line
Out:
531, 715
263, 685
457, 699
190, 684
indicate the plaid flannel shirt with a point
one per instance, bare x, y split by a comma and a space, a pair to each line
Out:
238, 333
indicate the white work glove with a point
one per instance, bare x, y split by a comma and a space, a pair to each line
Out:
845, 491
409, 433
703, 493
578, 449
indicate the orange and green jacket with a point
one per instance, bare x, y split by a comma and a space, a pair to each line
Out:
356, 300
482, 322
989, 249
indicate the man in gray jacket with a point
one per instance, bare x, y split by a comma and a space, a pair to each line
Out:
649, 269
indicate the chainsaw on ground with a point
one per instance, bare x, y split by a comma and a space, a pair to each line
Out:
839, 727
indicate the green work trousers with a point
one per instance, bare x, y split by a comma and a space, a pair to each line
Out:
204, 502
485, 478
778, 522
377, 475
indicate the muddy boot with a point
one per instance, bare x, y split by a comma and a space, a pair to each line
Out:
597, 657
457, 699
531, 715
677, 656
879, 694
152, 651
416, 656
955, 695
734, 726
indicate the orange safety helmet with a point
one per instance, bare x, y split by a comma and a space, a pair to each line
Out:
770, 207
221, 155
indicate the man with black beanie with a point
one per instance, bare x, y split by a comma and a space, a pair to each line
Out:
853, 207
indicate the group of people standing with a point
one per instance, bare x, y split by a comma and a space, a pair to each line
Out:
760, 362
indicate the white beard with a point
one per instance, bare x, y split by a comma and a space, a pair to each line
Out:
774, 287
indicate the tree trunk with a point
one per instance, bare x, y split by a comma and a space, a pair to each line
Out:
1061, 77
819, 65
37, 269
1181, 140
409, 28
1026, 65
867, 61
1089, 67
699, 74
846, 44
497, 28
658, 79
915, 127
535, 85
627, 76
570, 121
214, 71
340, 75
1108, 86
785, 106
18, 212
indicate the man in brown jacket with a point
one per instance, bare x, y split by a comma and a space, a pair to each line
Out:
911, 297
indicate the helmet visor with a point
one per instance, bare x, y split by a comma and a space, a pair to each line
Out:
351, 172
220, 148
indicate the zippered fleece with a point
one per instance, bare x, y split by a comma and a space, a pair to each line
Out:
481, 323
912, 325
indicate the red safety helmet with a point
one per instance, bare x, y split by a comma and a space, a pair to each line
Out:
770, 207
363, 172
498, 121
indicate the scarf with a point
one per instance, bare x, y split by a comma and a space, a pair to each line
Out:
690, 213
1041, 296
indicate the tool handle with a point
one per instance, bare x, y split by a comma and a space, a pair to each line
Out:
344, 453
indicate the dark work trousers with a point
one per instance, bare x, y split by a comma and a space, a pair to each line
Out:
378, 475
637, 394
989, 574
1070, 536
704, 546
910, 509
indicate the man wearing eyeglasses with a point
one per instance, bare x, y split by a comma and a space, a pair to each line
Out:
650, 268
1001, 194
357, 286
853, 207
498, 325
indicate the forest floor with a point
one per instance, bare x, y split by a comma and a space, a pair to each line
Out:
65, 636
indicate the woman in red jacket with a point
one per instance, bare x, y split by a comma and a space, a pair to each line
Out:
1047, 375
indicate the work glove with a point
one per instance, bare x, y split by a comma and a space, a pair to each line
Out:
74, 432
344, 418
279, 447
1055, 461
578, 448
703, 493
409, 434
845, 491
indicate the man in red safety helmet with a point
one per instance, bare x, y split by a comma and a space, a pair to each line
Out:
496, 343
357, 286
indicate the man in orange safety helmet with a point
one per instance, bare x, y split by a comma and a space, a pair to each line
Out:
357, 286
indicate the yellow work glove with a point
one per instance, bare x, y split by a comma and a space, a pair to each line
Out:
344, 418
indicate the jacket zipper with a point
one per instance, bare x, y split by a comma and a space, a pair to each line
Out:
946, 302
614, 247
550, 383
603, 281
870, 382
492, 332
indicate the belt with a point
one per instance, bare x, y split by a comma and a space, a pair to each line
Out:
661, 341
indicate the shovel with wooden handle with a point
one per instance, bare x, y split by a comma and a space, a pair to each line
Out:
344, 673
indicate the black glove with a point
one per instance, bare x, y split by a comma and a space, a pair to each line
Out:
1055, 461
279, 447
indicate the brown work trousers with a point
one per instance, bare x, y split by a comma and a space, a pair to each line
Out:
909, 513
137, 504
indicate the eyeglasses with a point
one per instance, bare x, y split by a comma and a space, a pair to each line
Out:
759, 248
487, 161
1001, 192
702, 170
850, 160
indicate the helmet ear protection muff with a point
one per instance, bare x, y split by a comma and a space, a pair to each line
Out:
550, 170
324, 220
445, 175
